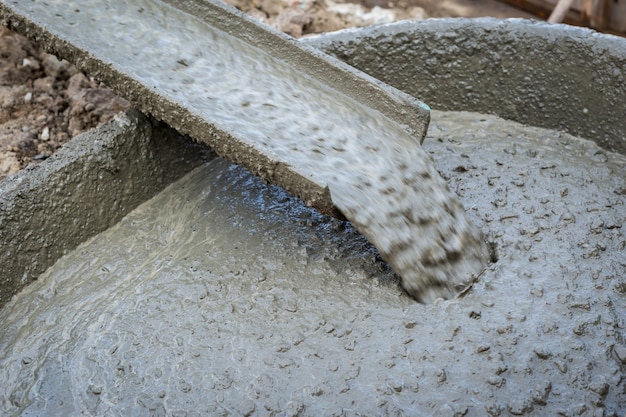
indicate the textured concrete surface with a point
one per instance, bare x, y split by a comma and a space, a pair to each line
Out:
556, 76
86, 187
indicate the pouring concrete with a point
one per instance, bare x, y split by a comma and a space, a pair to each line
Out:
270, 308
329, 134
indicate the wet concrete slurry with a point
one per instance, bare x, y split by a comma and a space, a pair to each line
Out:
223, 296
87, 186
308, 131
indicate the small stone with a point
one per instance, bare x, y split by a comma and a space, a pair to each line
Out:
31, 63
289, 305
582, 305
596, 226
599, 386
542, 353
578, 409
248, 408
350, 345
493, 410
541, 392
184, 386
388, 363
294, 408
220, 412
475, 315
53, 67
333, 365
561, 366
45, 134
8, 163
580, 329
410, 324
95, 390
283, 347
297, 339
519, 407
396, 385
496, 381
441, 376
620, 352
548, 327
459, 411
501, 368
567, 217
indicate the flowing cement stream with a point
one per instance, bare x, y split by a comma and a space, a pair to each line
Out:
326, 133
224, 296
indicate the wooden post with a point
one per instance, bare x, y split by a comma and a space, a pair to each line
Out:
595, 13
560, 10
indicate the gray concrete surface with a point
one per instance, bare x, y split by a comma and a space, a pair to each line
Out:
85, 188
556, 76
226, 296
297, 118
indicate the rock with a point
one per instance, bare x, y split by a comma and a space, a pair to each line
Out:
620, 352
494, 410
8, 163
292, 21
541, 392
599, 385
55, 68
519, 407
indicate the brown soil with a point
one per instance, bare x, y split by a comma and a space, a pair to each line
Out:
303, 17
45, 102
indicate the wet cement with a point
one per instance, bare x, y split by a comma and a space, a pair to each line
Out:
289, 125
224, 296
86, 187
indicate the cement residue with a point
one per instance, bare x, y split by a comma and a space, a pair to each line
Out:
225, 296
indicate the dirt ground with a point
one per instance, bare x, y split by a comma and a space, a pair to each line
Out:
45, 102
